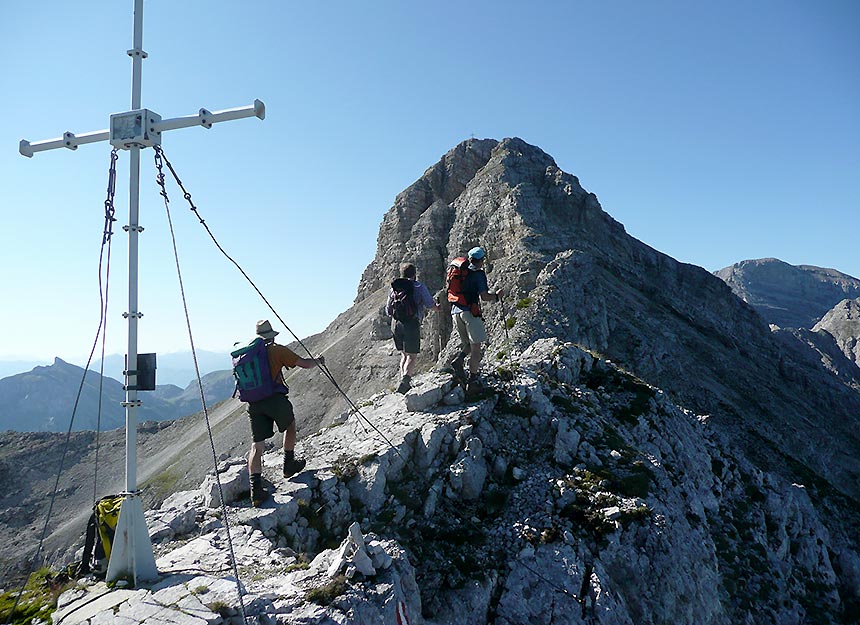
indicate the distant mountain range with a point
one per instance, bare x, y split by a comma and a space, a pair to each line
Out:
175, 368
790, 296
818, 306
42, 400
172, 368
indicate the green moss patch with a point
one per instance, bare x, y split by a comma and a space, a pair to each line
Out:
524, 303
160, 486
325, 595
38, 601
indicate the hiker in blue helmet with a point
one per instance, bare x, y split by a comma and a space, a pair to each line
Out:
477, 253
467, 318
408, 299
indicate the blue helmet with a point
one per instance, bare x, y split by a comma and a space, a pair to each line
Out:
477, 253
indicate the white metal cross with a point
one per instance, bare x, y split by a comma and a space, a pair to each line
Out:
131, 555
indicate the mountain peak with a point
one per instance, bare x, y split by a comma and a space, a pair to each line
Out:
842, 322
508, 196
573, 273
790, 296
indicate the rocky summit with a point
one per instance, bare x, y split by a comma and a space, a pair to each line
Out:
572, 492
646, 449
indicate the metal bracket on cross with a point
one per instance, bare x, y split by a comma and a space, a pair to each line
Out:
139, 128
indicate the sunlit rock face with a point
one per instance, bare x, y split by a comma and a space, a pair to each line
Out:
571, 491
646, 449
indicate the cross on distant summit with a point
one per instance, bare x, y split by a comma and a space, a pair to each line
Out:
131, 555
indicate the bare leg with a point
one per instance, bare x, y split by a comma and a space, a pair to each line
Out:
290, 437
255, 458
475, 358
408, 366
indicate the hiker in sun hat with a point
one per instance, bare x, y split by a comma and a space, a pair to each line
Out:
276, 409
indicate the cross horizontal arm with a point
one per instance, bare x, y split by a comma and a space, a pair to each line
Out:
68, 140
204, 118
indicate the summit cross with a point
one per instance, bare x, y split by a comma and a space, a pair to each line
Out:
131, 555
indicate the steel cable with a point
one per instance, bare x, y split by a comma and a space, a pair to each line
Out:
105, 244
160, 180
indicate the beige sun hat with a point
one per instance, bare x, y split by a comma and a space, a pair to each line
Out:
264, 330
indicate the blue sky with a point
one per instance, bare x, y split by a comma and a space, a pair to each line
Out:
715, 132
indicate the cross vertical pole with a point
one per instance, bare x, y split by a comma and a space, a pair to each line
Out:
131, 556
137, 54
131, 553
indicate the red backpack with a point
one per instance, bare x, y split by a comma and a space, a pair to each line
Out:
455, 280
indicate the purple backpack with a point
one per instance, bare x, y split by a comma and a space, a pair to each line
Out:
253, 375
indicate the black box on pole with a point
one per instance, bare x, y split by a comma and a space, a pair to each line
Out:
145, 373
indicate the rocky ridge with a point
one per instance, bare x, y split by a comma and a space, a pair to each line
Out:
760, 414
572, 272
842, 322
571, 492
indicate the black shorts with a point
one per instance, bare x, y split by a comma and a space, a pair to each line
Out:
266, 413
407, 335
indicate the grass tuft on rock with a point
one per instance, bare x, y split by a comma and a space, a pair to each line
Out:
325, 595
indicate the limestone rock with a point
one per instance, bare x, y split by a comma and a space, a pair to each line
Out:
352, 555
573, 510
233, 482
566, 443
469, 471
842, 322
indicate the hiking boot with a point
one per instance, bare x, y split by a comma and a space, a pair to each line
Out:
258, 493
404, 385
475, 386
293, 466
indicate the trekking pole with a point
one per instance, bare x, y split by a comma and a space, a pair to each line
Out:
504, 321
507, 336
